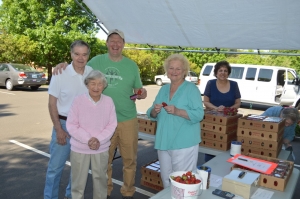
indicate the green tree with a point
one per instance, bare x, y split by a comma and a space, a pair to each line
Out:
16, 48
52, 25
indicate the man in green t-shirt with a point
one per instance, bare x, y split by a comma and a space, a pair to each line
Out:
123, 80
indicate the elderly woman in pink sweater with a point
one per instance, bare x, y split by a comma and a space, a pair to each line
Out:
91, 123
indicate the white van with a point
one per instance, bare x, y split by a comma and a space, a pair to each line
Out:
258, 84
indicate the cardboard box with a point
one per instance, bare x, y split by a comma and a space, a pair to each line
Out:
154, 181
218, 128
221, 137
224, 146
258, 151
244, 186
270, 181
259, 143
146, 129
151, 185
146, 125
151, 175
243, 122
146, 170
220, 118
264, 135
144, 121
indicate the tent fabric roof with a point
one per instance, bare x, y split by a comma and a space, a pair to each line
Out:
234, 24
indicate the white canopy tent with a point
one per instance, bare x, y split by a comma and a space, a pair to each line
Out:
233, 24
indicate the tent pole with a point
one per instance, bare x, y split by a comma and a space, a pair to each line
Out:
92, 17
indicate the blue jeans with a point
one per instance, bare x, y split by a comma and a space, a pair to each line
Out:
59, 155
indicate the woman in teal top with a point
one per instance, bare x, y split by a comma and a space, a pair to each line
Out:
178, 109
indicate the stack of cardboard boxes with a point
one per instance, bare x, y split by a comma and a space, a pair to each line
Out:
151, 175
261, 135
218, 130
146, 125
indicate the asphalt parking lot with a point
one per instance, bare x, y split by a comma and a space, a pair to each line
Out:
25, 130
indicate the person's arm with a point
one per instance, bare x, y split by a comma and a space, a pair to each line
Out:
112, 122
59, 68
176, 111
237, 103
143, 93
94, 143
289, 134
208, 105
74, 128
61, 135
206, 99
156, 110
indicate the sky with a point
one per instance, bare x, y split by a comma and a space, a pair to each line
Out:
101, 35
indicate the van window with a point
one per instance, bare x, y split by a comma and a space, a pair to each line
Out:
265, 75
236, 72
251, 72
207, 70
290, 78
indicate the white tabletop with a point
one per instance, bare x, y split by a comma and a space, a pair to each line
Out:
221, 167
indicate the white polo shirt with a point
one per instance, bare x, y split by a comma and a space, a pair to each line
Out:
66, 86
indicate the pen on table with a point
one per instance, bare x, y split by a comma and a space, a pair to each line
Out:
243, 159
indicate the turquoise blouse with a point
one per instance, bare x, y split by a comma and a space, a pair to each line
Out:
175, 132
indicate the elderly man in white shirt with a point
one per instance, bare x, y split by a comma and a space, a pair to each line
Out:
62, 90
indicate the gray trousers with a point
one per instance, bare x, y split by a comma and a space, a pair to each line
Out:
80, 164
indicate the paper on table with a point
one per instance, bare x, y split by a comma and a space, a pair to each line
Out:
256, 164
262, 194
215, 181
238, 197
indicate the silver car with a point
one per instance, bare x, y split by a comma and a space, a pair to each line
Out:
20, 75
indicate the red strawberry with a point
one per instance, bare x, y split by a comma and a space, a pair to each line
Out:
139, 92
164, 104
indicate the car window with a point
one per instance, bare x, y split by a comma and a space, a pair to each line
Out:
251, 72
3, 67
265, 75
193, 74
236, 72
207, 70
21, 67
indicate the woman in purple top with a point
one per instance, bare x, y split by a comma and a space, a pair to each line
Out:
221, 92
91, 123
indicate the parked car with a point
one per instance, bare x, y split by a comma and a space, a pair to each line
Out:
20, 75
258, 84
163, 79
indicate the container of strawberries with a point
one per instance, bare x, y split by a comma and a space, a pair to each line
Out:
230, 111
185, 184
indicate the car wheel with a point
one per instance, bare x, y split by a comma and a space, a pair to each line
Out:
34, 88
9, 85
159, 82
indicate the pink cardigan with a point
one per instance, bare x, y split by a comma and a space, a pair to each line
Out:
87, 119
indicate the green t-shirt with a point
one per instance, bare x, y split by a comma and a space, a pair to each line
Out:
122, 77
